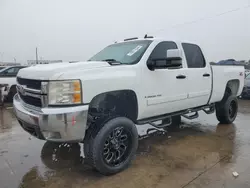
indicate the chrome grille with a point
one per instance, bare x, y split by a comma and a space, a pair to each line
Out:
32, 84
32, 92
31, 100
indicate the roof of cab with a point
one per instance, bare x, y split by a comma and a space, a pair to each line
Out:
157, 39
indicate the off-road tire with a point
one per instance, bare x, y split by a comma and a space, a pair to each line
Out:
94, 150
175, 125
226, 110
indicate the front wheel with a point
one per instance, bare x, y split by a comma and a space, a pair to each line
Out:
113, 147
226, 110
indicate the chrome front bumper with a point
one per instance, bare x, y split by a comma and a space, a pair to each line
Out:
62, 124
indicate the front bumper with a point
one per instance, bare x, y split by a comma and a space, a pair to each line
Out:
63, 124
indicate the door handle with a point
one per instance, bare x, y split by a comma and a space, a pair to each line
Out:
180, 77
206, 75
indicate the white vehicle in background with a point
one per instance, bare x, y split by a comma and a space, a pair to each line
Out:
8, 77
2, 67
135, 81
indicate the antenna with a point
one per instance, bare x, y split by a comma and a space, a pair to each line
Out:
36, 56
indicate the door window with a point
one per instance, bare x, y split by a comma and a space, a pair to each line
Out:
11, 71
160, 51
194, 56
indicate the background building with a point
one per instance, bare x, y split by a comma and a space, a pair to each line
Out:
9, 63
34, 62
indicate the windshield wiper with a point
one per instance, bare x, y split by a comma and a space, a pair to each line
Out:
112, 61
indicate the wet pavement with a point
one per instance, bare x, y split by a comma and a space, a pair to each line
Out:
202, 154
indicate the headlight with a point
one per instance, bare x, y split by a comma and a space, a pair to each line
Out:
65, 92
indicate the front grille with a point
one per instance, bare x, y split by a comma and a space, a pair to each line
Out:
31, 100
32, 84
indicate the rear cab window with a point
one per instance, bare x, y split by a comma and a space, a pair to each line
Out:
194, 56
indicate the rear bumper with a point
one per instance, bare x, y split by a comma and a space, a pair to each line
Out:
64, 124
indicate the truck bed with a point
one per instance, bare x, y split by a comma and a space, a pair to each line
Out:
220, 76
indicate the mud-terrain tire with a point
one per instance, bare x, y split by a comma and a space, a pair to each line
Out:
175, 125
113, 147
226, 110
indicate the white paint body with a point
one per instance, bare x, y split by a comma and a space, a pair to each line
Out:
174, 94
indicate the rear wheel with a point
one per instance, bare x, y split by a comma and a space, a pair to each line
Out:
175, 124
112, 149
226, 110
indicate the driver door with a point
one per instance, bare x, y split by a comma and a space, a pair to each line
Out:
166, 90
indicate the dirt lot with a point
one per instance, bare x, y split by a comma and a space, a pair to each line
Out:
202, 154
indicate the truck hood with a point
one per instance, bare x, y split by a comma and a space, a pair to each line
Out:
55, 70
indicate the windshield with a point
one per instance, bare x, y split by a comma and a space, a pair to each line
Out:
125, 53
3, 69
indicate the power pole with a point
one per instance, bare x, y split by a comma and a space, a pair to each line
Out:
36, 56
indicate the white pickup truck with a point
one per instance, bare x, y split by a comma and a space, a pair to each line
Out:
132, 82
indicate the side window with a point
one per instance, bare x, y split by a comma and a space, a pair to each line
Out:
160, 50
12, 71
17, 69
194, 56
9, 71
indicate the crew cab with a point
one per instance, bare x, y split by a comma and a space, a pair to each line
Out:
8, 78
128, 83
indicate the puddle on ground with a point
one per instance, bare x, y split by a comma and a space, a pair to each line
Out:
171, 159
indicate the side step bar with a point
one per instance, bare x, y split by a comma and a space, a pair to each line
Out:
193, 116
208, 109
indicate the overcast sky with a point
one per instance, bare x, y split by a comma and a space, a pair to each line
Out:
76, 29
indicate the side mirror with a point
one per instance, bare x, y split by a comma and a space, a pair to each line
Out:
174, 55
171, 60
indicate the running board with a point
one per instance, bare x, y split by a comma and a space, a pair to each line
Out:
208, 109
162, 125
194, 116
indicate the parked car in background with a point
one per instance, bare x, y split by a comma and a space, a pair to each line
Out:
247, 72
8, 77
2, 67
246, 89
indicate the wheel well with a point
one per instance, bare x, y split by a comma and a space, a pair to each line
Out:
114, 103
232, 87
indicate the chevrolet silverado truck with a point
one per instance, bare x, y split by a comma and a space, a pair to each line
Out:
133, 82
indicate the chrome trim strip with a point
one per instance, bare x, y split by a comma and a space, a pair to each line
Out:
19, 86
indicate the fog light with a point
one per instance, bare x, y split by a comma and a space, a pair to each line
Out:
51, 135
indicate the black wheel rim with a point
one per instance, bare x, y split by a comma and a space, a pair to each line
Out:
232, 109
117, 146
